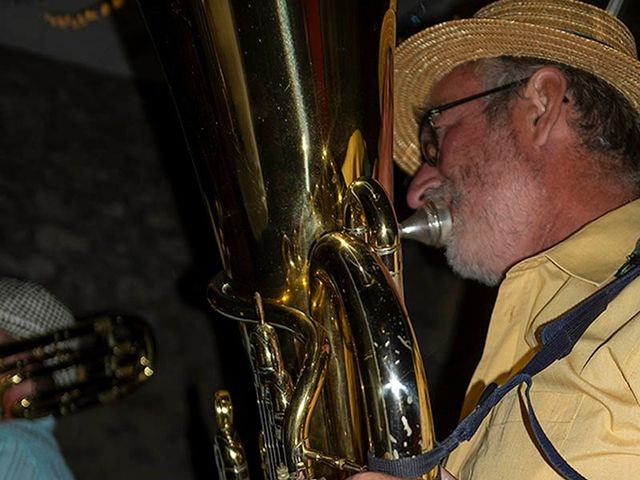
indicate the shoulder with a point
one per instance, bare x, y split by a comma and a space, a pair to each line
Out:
609, 354
29, 451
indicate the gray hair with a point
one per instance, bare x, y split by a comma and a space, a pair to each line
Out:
606, 123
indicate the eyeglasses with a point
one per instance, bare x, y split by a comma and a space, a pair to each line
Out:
427, 135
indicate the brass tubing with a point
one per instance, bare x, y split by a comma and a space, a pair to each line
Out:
369, 215
311, 375
390, 366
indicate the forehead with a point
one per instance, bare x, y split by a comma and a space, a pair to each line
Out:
461, 82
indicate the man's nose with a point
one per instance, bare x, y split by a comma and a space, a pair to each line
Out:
426, 178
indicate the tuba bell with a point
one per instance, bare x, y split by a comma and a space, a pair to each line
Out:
274, 96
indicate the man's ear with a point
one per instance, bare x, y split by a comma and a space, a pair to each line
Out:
545, 97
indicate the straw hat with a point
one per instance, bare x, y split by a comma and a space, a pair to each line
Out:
562, 31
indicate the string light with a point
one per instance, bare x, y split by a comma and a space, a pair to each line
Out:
83, 17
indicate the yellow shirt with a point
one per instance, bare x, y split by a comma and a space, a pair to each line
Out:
589, 402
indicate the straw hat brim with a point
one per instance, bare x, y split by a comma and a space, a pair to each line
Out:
427, 57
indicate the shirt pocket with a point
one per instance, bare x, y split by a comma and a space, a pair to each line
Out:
555, 411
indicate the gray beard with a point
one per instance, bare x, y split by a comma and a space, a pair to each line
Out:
458, 259
468, 268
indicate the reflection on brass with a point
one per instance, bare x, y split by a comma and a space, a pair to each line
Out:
272, 95
394, 385
274, 388
94, 361
384, 164
353, 165
229, 452
369, 215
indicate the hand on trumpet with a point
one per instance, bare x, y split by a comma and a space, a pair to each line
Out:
26, 310
52, 365
444, 475
10, 392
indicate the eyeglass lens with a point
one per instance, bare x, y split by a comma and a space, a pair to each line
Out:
428, 142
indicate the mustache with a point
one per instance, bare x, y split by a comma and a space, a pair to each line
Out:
444, 193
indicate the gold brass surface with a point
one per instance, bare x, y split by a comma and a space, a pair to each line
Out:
395, 394
369, 216
94, 361
229, 452
384, 164
273, 95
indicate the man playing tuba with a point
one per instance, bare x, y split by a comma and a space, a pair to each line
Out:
525, 120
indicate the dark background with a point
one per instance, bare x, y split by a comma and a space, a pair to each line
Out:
98, 202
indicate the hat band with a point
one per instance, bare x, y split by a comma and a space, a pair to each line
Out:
588, 37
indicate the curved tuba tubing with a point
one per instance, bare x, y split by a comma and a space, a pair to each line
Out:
273, 96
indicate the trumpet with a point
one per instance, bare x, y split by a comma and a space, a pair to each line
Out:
96, 360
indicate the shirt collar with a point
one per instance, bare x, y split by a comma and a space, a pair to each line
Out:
596, 251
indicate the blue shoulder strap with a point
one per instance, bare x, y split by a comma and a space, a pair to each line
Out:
558, 339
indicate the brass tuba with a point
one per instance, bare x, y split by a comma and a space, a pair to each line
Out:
273, 95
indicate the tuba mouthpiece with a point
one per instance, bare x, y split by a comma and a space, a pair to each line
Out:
430, 224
